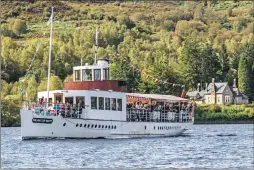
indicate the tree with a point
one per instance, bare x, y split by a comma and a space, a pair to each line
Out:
199, 64
246, 71
55, 84
18, 26
31, 88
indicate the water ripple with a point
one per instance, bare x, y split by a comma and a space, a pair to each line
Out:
204, 146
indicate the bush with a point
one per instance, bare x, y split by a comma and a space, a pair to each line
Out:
215, 108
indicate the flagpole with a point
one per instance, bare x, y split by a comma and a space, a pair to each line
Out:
50, 49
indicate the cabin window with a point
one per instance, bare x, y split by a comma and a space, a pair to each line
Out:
113, 104
50, 101
101, 103
69, 100
87, 75
77, 75
107, 103
93, 102
97, 74
106, 74
80, 101
119, 104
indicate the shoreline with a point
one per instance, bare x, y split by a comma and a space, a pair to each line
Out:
203, 122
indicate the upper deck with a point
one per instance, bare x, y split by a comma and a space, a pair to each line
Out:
91, 77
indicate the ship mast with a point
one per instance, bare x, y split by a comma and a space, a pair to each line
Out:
96, 45
50, 49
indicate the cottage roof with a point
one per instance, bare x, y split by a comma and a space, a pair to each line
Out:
219, 88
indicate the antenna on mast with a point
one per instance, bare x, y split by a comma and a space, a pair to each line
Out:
96, 45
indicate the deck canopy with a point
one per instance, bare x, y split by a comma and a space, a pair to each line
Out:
157, 97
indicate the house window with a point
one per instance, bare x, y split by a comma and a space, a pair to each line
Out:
77, 75
113, 104
218, 99
101, 103
107, 103
93, 102
97, 74
87, 75
227, 99
106, 74
119, 104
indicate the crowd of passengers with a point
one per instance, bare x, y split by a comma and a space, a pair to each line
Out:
65, 110
169, 107
142, 112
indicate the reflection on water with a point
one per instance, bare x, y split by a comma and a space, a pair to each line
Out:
204, 146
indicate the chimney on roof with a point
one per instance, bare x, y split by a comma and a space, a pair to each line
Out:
198, 87
234, 85
213, 87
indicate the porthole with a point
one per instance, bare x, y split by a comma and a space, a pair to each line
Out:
77, 125
145, 127
95, 126
102, 126
99, 126
88, 125
106, 126
112, 127
115, 127
154, 127
92, 126
80, 125
64, 124
158, 128
84, 125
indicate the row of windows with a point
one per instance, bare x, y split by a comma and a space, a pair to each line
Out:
87, 74
95, 126
109, 104
166, 127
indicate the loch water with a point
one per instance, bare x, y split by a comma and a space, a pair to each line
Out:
203, 146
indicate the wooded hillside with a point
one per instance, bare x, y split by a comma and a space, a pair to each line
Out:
181, 42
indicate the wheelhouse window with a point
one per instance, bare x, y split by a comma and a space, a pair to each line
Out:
77, 75
106, 74
119, 104
113, 104
107, 103
87, 74
80, 102
69, 100
101, 103
97, 74
94, 103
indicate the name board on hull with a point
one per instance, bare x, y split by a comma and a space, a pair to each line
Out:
42, 120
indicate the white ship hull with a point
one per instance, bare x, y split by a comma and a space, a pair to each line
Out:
60, 127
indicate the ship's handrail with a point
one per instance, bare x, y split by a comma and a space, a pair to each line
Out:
149, 115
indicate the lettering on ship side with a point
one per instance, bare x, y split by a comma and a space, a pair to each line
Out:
42, 120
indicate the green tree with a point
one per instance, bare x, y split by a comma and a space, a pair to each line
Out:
18, 26
198, 62
31, 88
246, 71
55, 84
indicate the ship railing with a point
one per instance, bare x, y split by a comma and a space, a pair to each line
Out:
148, 115
63, 110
